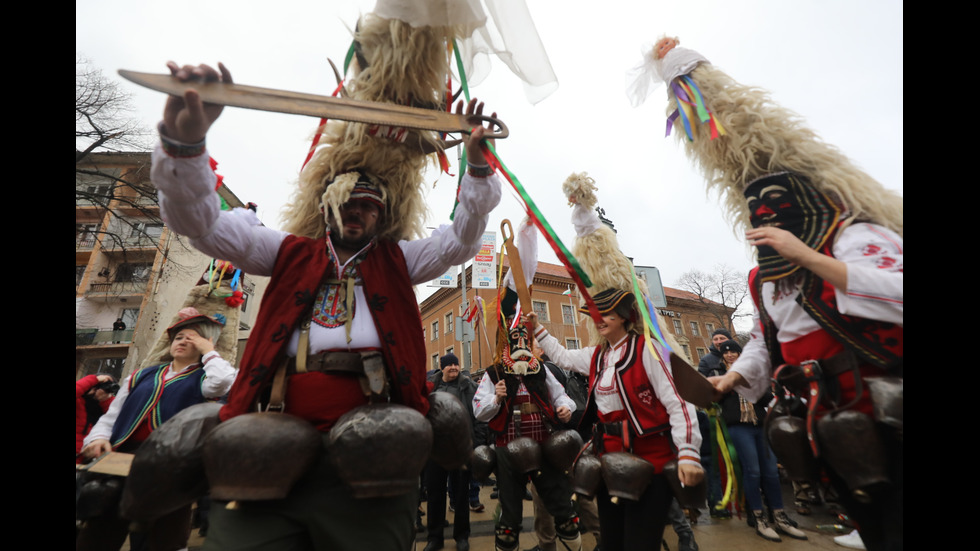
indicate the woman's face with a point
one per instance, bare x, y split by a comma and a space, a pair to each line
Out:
730, 357
613, 326
183, 347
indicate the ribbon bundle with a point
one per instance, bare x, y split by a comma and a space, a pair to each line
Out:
689, 96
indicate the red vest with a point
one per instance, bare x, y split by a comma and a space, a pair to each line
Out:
301, 267
643, 409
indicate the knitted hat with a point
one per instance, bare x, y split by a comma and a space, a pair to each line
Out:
722, 332
730, 346
448, 360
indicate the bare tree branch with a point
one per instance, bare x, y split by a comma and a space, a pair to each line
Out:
724, 285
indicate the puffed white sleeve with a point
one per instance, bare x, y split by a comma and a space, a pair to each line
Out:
875, 273
683, 418
218, 375
557, 392
578, 361
190, 207
754, 364
485, 406
452, 245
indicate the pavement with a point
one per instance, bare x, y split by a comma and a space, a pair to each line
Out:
728, 535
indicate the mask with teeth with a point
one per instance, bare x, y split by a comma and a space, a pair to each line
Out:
517, 358
788, 202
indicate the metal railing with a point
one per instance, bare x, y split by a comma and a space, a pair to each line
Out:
118, 288
91, 336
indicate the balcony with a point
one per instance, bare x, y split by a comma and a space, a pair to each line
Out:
95, 336
118, 288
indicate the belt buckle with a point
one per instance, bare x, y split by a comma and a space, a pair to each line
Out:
811, 368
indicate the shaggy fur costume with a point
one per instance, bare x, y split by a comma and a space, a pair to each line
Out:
227, 343
764, 137
597, 251
406, 66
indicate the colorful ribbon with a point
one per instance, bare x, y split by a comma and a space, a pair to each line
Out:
690, 101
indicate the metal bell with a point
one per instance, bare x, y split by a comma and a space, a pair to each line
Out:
626, 475
789, 441
259, 456
851, 445
452, 434
587, 475
483, 462
561, 449
167, 472
524, 455
380, 449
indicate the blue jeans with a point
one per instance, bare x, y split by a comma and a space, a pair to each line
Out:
759, 469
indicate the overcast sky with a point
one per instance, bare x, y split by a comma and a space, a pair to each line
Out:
838, 63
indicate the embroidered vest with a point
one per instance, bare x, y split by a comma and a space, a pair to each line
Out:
154, 400
647, 415
537, 388
301, 267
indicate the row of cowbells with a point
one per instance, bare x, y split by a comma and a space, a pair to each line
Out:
377, 449
625, 475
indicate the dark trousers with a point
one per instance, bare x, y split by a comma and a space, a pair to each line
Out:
435, 487
553, 486
320, 512
635, 525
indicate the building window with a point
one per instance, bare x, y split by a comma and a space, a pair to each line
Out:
710, 327
450, 350
541, 309
678, 328
687, 350
435, 361
571, 344
700, 353
435, 330
567, 314
129, 317
133, 272
694, 329
449, 323
85, 235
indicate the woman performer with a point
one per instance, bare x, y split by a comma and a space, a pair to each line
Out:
192, 372
640, 412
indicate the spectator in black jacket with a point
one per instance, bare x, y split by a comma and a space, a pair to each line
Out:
448, 380
711, 366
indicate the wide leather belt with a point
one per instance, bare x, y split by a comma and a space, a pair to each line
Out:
612, 429
529, 407
330, 362
367, 364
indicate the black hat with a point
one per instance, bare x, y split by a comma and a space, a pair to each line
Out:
722, 332
730, 346
607, 301
448, 359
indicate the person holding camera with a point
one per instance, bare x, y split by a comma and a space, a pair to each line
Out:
93, 394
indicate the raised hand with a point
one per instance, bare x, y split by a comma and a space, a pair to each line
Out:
474, 153
187, 119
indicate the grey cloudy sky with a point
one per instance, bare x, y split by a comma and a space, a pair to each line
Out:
838, 63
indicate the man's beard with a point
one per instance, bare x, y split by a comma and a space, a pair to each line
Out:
349, 244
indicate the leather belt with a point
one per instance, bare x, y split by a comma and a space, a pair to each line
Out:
330, 362
368, 364
529, 407
612, 429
